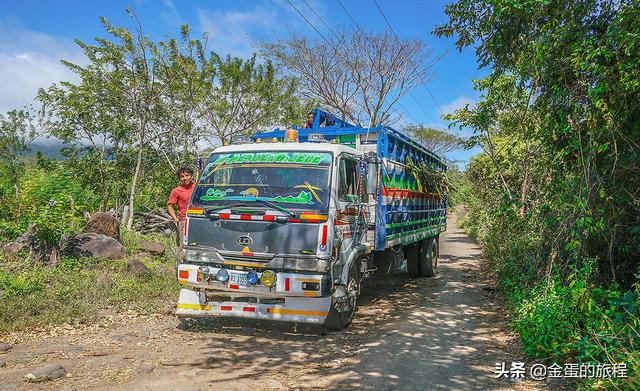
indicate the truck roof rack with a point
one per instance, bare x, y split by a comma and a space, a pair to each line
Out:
337, 130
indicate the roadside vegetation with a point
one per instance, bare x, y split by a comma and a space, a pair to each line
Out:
554, 196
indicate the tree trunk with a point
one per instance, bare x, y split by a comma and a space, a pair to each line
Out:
524, 190
134, 181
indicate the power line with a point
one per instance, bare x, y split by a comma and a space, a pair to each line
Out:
425, 86
309, 22
385, 19
348, 14
435, 102
423, 109
321, 20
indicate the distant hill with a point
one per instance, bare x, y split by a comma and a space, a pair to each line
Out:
49, 146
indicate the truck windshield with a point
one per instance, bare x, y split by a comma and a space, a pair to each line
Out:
294, 180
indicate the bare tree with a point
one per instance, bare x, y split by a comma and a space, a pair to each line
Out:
358, 74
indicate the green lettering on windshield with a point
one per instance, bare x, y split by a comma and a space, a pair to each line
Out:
303, 197
271, 157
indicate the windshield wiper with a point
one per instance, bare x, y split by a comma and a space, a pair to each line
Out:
244, 203
276, 207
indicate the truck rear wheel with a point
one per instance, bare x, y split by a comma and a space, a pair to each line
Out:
413, 261
342, 310
429, 257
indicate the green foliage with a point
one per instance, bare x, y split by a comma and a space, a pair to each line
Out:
554, 196
16, 133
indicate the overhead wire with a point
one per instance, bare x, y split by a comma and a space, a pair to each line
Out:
425, 86
308, 21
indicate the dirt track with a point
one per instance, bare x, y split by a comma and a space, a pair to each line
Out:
445, 332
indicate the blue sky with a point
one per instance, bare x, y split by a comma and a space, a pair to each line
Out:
35, 35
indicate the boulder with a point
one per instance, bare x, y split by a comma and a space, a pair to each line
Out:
12, 248
104, 224
152, 246
135, 266
45, 373
94, 245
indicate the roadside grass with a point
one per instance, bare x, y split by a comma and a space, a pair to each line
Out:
81, 289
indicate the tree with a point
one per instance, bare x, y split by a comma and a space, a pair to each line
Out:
358, 74
436, 140
128, 72
578, 64
243, 96
17, 131
189, 76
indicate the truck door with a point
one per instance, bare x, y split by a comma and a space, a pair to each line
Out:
351, 191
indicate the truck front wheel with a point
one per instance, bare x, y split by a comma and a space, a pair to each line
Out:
343, 306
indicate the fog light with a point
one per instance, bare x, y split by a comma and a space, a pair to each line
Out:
252, 278
268, 278
203, 273
222, 275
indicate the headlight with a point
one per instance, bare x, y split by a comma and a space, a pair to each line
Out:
252, 278
268, 278
222, 275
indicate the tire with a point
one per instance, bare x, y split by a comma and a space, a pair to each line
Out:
413, 262
338, 320
383, 261
429, 257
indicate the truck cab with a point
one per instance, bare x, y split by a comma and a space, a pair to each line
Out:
277, 231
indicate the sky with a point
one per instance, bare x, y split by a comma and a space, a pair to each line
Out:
36, 35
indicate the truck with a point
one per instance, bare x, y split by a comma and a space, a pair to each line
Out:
286, 225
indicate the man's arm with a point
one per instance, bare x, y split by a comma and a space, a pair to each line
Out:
172, 212
173, 200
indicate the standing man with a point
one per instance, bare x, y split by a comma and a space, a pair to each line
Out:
180, 196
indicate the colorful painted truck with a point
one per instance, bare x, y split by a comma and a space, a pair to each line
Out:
286, 227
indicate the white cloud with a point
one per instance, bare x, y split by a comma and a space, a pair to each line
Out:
457, 104
234, 31
30, 60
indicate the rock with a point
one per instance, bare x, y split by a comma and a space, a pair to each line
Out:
145, 369
167, 232
248, 330
136, 266
152, 247
12, 248
275, 385
2, 363
94, 245
46, 373
4, 347
103, 224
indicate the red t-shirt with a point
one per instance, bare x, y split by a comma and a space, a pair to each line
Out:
181, 195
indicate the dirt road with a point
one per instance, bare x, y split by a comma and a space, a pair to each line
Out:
444, 333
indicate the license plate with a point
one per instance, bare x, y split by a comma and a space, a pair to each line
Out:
238, 279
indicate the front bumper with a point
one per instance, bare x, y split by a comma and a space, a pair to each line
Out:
294, 309
295, 297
